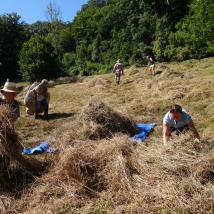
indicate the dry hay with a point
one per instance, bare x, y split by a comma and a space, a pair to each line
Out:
6, 205
171, 74
10, 148
118, 177
96, 121
101, 166
100, 121
98, 82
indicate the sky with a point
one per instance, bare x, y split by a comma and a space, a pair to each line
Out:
35, 10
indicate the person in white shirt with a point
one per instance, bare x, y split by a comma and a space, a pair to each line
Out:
177, 119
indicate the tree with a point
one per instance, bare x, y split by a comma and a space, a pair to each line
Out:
56, 26
37, 60
12, 35
194, 36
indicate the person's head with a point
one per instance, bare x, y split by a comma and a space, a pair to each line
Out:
44, 82
176, 112
9, 91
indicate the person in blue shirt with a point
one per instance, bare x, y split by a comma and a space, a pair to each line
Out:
178, 120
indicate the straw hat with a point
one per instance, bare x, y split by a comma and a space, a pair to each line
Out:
9, 87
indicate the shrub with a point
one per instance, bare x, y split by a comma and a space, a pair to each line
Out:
37, 60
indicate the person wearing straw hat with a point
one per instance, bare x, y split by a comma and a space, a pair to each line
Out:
9, 93
178, 120
118, 70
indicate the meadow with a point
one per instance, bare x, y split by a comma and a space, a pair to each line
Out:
97, 169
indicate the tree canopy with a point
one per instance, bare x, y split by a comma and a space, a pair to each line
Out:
104, 30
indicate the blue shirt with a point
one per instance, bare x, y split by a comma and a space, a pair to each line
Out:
185, 119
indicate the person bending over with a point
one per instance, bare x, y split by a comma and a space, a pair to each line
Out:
178, 120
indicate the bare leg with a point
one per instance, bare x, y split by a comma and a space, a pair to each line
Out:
117, 77
153, 69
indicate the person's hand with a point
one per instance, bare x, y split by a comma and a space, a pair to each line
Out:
196, 140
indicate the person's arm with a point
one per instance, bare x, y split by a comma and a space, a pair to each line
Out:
15, 112
35, 95
193, 129
114, 68
166, 133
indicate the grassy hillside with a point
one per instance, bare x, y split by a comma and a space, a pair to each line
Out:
92, 174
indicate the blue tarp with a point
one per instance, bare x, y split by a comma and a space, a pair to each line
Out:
41, 148
144, 130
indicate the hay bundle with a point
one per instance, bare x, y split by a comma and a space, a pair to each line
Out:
99, 82
171, 74
10, 144
106, 120
6, 205
204, 169
103, 166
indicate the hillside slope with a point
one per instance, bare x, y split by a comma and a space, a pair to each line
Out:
113, 175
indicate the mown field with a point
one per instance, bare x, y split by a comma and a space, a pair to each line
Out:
97, 169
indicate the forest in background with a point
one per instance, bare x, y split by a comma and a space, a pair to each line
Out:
101, 32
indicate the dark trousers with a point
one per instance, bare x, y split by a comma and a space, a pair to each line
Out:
180, 130
42, 106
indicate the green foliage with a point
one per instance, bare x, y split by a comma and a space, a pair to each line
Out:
195, 31
105, 30
38, 28
37, 60
12, 35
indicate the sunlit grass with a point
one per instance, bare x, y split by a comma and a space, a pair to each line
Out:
146, 98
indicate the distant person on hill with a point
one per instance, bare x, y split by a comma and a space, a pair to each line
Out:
37, 99
9, 93
178, 120
151, 64
118, 70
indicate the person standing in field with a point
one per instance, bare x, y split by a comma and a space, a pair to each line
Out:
118, 71
151, 64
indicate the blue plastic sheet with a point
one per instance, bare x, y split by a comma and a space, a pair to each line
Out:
41, 148
144, 130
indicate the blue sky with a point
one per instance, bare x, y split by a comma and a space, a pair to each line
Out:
35, 10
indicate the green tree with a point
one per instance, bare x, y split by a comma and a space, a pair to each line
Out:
195, 35
12, 36
37, 60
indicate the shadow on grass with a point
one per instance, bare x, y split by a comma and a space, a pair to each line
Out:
158, 72
55, 116
14, 181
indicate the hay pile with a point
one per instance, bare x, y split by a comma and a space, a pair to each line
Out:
11, 147
99, 82
100, 121
117, 177
106, 165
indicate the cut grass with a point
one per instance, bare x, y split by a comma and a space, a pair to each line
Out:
113, 175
